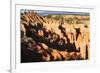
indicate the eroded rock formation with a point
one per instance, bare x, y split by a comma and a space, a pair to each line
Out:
47, 38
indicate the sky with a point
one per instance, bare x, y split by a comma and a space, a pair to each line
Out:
45, 13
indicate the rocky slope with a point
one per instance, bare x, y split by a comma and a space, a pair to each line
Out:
54, 37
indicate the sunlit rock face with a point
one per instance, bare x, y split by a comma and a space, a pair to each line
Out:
54, 37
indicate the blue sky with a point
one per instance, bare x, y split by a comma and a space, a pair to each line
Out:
45, 13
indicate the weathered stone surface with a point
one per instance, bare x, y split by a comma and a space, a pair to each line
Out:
51, 39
